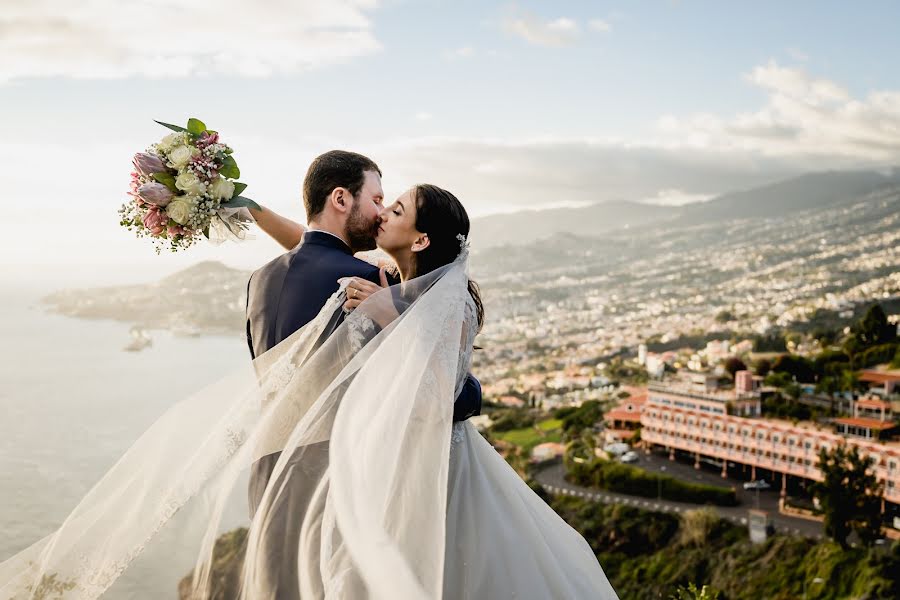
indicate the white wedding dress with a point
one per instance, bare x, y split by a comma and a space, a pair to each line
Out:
375, 494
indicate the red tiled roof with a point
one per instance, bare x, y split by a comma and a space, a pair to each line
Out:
879, 376
867, 423
620, 414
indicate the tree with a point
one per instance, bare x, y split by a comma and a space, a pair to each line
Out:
797, 366
583, 417
725, 316
763, 366
850, 381
770, 342
876, 355
828, 385
733, 365
626, 372
849, 494
831, 362
778, 379
872, 330
831, 386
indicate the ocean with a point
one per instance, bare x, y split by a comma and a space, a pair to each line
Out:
72, 401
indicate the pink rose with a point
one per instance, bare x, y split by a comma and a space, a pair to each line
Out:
155, 193
175, 230
148, 164
155, 220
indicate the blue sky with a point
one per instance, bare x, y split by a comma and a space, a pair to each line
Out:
510, 105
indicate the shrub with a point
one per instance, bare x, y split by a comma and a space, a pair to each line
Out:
512, 419
625, 479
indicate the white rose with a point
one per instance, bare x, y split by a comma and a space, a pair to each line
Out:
180, 156
170, 141
179, 209
190, 184
221, 188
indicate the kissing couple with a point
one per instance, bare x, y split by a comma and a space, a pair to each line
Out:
348, 430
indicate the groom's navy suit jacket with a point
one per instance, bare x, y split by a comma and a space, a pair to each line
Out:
287, 293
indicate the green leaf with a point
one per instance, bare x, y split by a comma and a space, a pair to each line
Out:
229, 168
239, 201
170, 126
196, 126
206, 232
167, 180
238, 188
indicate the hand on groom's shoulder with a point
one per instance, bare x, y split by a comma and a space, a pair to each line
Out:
468, 403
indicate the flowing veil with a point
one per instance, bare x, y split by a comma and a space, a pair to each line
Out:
344, 443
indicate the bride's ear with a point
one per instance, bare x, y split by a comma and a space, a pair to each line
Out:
421, 243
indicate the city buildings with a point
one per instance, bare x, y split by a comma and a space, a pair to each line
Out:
623, 421
725, 427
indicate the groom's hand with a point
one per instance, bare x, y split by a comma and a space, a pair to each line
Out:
359, 289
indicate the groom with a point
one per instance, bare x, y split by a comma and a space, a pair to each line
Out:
343, 199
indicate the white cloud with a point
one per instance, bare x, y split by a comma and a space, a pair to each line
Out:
423, 116
803, 118
462, 52
671, 197
103, 39
562, 31
599, 25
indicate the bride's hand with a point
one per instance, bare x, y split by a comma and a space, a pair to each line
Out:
359, 289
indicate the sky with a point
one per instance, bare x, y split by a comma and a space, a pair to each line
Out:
510, 105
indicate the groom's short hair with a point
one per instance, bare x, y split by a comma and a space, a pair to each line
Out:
334, 169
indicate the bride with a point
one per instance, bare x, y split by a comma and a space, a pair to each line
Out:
377, 491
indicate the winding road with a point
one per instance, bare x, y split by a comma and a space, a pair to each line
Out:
552, 478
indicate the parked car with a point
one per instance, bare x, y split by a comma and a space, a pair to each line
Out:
759, 484
617, 449
629, 457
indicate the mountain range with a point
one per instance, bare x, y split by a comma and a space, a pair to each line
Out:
773, 201
786, 244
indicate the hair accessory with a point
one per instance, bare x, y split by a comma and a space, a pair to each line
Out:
463, 246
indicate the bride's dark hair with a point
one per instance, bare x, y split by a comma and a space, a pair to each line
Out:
441, 216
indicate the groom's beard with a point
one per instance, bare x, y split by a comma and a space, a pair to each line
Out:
359, 232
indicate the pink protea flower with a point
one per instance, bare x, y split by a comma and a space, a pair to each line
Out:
135, 184
155, 220
155, 193
147, 164
207, 139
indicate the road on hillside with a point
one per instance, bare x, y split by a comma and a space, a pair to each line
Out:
552, 478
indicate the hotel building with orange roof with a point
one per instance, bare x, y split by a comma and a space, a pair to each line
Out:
692, 416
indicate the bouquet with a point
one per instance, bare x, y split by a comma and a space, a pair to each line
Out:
185, 186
